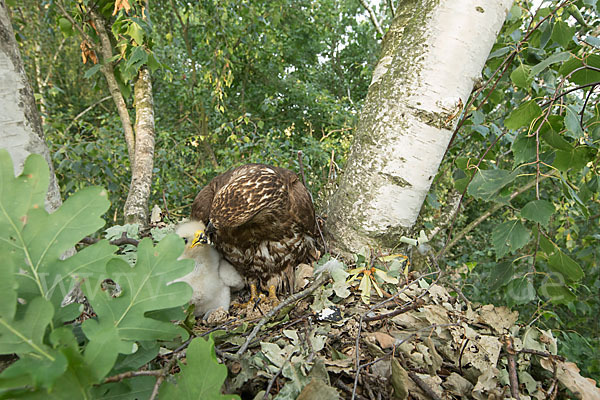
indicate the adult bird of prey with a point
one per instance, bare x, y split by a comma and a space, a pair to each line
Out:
212, 277
262, 219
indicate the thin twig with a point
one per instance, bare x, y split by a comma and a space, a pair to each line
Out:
373, 17
116, 242
293, 298
512, 366
131, 374
398, 311
541, 354
483, 217
272, 380
164, 372
587, 98
362, 318
558, 96
301, 166
424, 387
81, 114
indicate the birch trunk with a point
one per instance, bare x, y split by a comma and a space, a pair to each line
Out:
136, 206
20, 125
432, 54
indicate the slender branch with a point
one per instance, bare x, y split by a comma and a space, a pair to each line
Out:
132, 374
293, 298
362, 319
272, 381
81, 114
587, 98
372, 16
163, 374
483, 217
512, 366
422, 385
116, 242
552, 100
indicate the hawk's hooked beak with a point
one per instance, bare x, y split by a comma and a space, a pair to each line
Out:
200, 238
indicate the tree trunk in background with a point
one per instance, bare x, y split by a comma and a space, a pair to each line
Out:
136, 206
20, 125
432, 54
113, 87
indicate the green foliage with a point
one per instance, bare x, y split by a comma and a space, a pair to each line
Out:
131, 318
534, 137
201, 377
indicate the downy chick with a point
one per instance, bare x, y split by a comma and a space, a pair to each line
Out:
212, 276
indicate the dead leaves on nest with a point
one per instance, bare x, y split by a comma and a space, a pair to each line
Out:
439, 347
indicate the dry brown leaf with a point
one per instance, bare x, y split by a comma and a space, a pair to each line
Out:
303, 273
119, 4
87, 52
384, 340
568, 375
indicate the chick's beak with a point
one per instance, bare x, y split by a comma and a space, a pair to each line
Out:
199, 238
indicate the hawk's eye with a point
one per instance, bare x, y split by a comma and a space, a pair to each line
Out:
185, 240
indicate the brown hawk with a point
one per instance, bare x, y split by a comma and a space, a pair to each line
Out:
262, 219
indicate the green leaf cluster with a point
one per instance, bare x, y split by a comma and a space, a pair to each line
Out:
58, 356
527, 159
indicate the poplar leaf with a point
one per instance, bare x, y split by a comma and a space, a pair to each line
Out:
557, 293
538, 211
523, 115
520, 291
136, 32
521, 76
572, 123
553, 59
565, 265
524, 149
487, 183
562, 33
509, 237
574, 159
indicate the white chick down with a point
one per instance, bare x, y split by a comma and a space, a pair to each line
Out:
212, 277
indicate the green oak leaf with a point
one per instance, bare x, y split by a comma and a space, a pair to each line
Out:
201, 378
538, 211
509, 237
123, 320
17, 197
25, 333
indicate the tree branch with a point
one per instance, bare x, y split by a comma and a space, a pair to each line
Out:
485, 216
81, 114
293, 298
113, 86
372, 16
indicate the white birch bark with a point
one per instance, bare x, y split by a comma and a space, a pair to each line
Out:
136, 206
431, 56
20, 125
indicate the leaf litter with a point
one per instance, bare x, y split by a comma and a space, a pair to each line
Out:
417, 341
